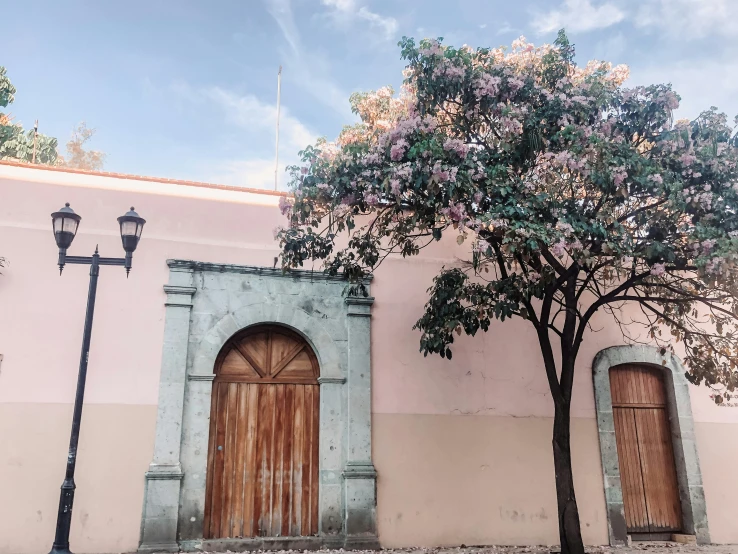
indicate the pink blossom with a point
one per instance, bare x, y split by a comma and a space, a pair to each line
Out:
395, 186
708, 245
434, 49
558, 248
486, 85
519, 43
715, 265
481, 246
405, 171
656, 178
658, 270
456, 145
478, 197
564, 227
398, 150
349, 199
687, 159
371, 198
515, 84
456, 211
285, 206
453, 71
670, 100
619, 176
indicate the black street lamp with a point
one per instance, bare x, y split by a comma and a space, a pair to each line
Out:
66, 223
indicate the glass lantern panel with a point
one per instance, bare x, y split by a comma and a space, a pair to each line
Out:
70, 225
58, 224
128, 228
139, 229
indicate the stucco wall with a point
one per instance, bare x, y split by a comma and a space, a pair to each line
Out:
462, 447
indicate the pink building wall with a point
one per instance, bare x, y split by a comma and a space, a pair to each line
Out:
462, 447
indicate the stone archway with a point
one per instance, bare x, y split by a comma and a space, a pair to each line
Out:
206, 305
679, 409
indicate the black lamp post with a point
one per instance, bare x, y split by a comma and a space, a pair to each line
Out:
65, 223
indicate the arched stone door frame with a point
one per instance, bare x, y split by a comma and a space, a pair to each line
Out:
206, 305
679, 408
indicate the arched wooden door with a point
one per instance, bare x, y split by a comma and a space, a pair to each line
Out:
262, 478
645, 451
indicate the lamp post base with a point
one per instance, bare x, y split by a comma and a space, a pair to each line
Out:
60, 550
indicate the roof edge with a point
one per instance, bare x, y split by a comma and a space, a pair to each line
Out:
128, 176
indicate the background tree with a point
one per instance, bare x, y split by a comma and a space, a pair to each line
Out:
77, 156
574, 195
15, 143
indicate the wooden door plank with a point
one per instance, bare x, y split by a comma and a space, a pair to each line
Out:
272, 392
219, 476
285, 361
261, 494
249, 358
630, 473
305, 459
229, 451
297, 450
239, 469
278, 463
250, 460
287, 461
268, 354
659, 473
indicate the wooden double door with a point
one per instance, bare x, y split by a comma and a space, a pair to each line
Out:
645, 451
262, 475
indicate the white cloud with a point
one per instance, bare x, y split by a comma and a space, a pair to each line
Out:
281, 11
611, 47
700, 83
347, 11
307, 69
578, 16
505, 29
254, 115
690, 18
255, 123
252, 173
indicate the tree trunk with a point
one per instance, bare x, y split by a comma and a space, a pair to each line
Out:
570, 532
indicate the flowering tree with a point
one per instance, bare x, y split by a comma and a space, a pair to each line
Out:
574, 195
79, 158
15, 143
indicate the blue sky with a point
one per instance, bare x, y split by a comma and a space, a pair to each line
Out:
187, 89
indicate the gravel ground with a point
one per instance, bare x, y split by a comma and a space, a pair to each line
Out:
636, 548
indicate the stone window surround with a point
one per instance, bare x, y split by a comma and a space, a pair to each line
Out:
679, 408
173, 506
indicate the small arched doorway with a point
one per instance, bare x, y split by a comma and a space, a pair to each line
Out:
262, 477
